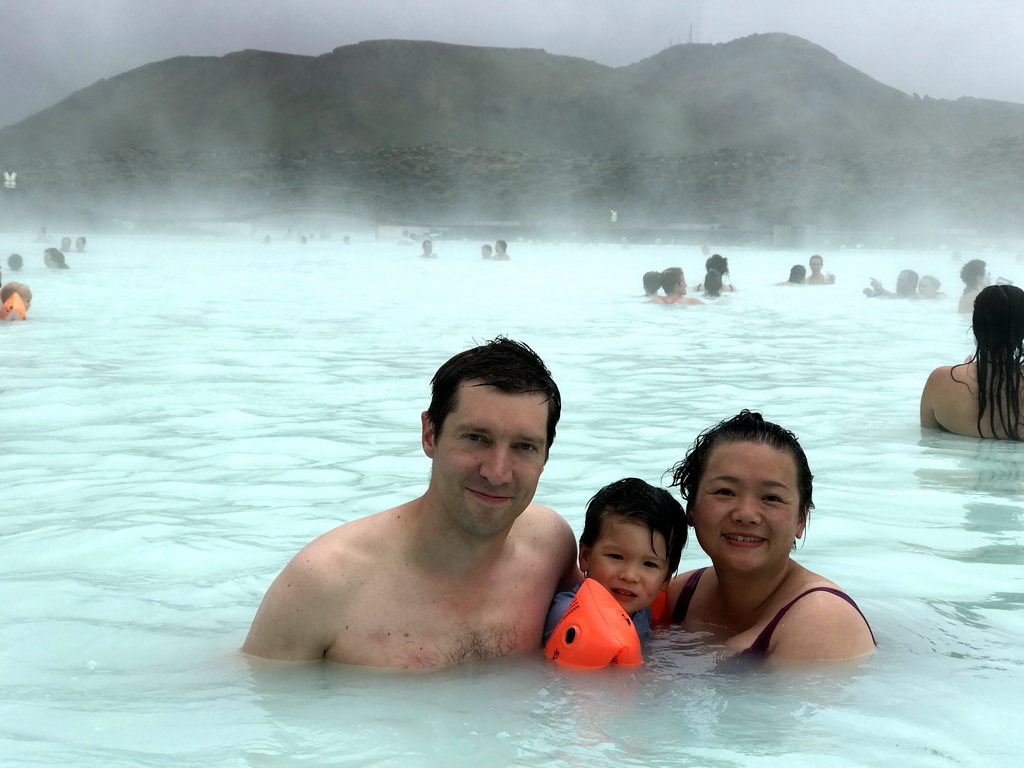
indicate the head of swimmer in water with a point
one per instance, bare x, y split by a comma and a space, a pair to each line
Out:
485, 251
14, 261
500, 246
713, 283
816, 264
929, 286
16, 288
652, 283
672, 280
745, 427
718, 263
797, 273
998, 321
636, 502
974, 274
906, 283
507, 365
427, 246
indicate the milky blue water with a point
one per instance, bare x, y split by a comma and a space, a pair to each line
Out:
180, 416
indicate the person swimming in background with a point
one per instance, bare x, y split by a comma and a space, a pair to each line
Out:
633, 537
65, 244
906, 287
713, 284
80, 244
652, 284
54, 259
816, 278
720, 264
673, 282
982, 396
975, 276
14, 261
428, 250
928, 288
501, 251
796, 275
485, 252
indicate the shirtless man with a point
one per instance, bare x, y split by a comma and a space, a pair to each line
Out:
428, 250
465, 571
816, 278
673, 282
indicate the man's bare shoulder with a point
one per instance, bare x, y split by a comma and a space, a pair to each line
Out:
543, 525
294, 621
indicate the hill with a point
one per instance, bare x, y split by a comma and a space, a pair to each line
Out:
449, 130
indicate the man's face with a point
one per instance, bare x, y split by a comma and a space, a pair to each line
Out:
488, 458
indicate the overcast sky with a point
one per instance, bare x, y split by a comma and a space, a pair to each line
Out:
939, 48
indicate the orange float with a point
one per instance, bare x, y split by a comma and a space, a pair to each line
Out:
14, 308
594, 632
659, 608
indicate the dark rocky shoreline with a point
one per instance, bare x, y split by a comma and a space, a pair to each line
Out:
973, 191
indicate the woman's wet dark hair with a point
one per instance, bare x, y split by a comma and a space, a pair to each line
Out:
745, 427
797, 273
971, 272
713, 283
718, 263
508, 365
642, 503
998, 324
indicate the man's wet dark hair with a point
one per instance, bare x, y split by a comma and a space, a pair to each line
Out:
652, 282
14, 261
998, 324
670, 279
971, 272
508, 365
636, 501
745, 427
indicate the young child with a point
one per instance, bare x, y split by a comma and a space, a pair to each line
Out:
633, 537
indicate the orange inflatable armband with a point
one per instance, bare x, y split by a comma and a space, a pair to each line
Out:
13, 309
594, 632
659, 608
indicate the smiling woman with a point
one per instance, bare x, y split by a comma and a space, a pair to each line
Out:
747, 487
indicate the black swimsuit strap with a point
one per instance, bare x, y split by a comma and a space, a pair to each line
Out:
760, 646
683, 602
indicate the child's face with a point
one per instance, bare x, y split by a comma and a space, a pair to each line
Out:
626, 562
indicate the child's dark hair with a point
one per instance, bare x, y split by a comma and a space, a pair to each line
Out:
642, 503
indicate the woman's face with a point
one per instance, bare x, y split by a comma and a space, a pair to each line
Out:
746, 513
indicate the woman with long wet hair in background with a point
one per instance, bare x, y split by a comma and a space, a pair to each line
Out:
981, 397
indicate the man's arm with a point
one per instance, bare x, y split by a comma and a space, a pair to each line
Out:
570, 574
290, 623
